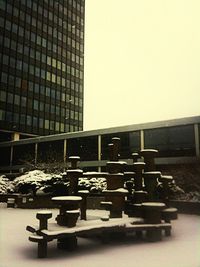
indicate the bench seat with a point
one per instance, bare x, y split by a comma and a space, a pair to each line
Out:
66, 235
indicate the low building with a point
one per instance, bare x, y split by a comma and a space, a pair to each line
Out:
177, 141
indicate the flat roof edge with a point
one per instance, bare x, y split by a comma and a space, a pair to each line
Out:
119, 129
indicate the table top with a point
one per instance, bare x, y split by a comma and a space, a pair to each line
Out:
44, 212
66, 199
153, 205
148, 152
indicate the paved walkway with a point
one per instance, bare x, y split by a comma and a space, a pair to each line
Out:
182, 249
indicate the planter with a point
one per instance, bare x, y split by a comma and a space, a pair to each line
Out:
36, 202
4, 197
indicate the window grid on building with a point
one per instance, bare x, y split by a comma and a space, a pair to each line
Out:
42, 61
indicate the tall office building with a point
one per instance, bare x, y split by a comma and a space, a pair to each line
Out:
41, 67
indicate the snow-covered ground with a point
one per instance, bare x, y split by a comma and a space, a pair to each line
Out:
182, 249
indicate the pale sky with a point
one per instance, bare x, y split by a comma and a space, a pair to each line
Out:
142, 61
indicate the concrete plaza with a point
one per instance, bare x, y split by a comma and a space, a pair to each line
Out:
182, 249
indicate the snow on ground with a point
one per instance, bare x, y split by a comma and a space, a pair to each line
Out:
182, 249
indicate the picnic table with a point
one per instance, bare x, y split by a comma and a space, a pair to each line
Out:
69, 209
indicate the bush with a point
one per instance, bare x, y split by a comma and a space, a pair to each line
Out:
34, 181
6, 186
94, 185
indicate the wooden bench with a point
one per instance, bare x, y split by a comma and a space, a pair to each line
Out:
67, 237
43, 217
42, 244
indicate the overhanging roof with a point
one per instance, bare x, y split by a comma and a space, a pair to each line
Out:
120, 129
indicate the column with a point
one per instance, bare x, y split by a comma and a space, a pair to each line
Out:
99, 151
15, 136
11, 156
196, 138
65, 150
141, 139
36, 153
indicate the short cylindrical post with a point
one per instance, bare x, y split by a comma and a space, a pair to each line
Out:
152, 211
138, 168
83, 194
110, 151
149, 158
135, 157
151, 182
116, 147
74, 161
43, 217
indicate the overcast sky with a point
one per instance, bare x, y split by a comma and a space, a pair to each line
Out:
142, 61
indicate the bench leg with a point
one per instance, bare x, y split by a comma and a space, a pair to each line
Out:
83, 209
154, 235
105, 237
42, 249
168, 232
67, 243
117, 236
139, 234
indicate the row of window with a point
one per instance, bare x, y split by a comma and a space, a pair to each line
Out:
52, 18
34, 53
48, 92
40, 73
23, 119
52, 31
50, 61
41, 41
41, 89
43, 11
35, 122
57, 20
54, 4
45, 90
11, 98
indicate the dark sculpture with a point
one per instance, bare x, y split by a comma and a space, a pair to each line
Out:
144, 198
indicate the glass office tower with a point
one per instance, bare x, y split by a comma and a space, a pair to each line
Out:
41, 66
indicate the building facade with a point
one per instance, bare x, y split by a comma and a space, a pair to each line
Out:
41, 67
178, 143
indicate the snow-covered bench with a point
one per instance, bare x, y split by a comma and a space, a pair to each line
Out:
67, 237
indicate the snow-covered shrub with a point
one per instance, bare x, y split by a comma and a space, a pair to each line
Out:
190, 196
175, 190
30, 182
38, 182
179, 194
57, 185
6, 186
83, 183
94, 185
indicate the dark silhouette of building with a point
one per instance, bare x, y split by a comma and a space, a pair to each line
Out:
41, 67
